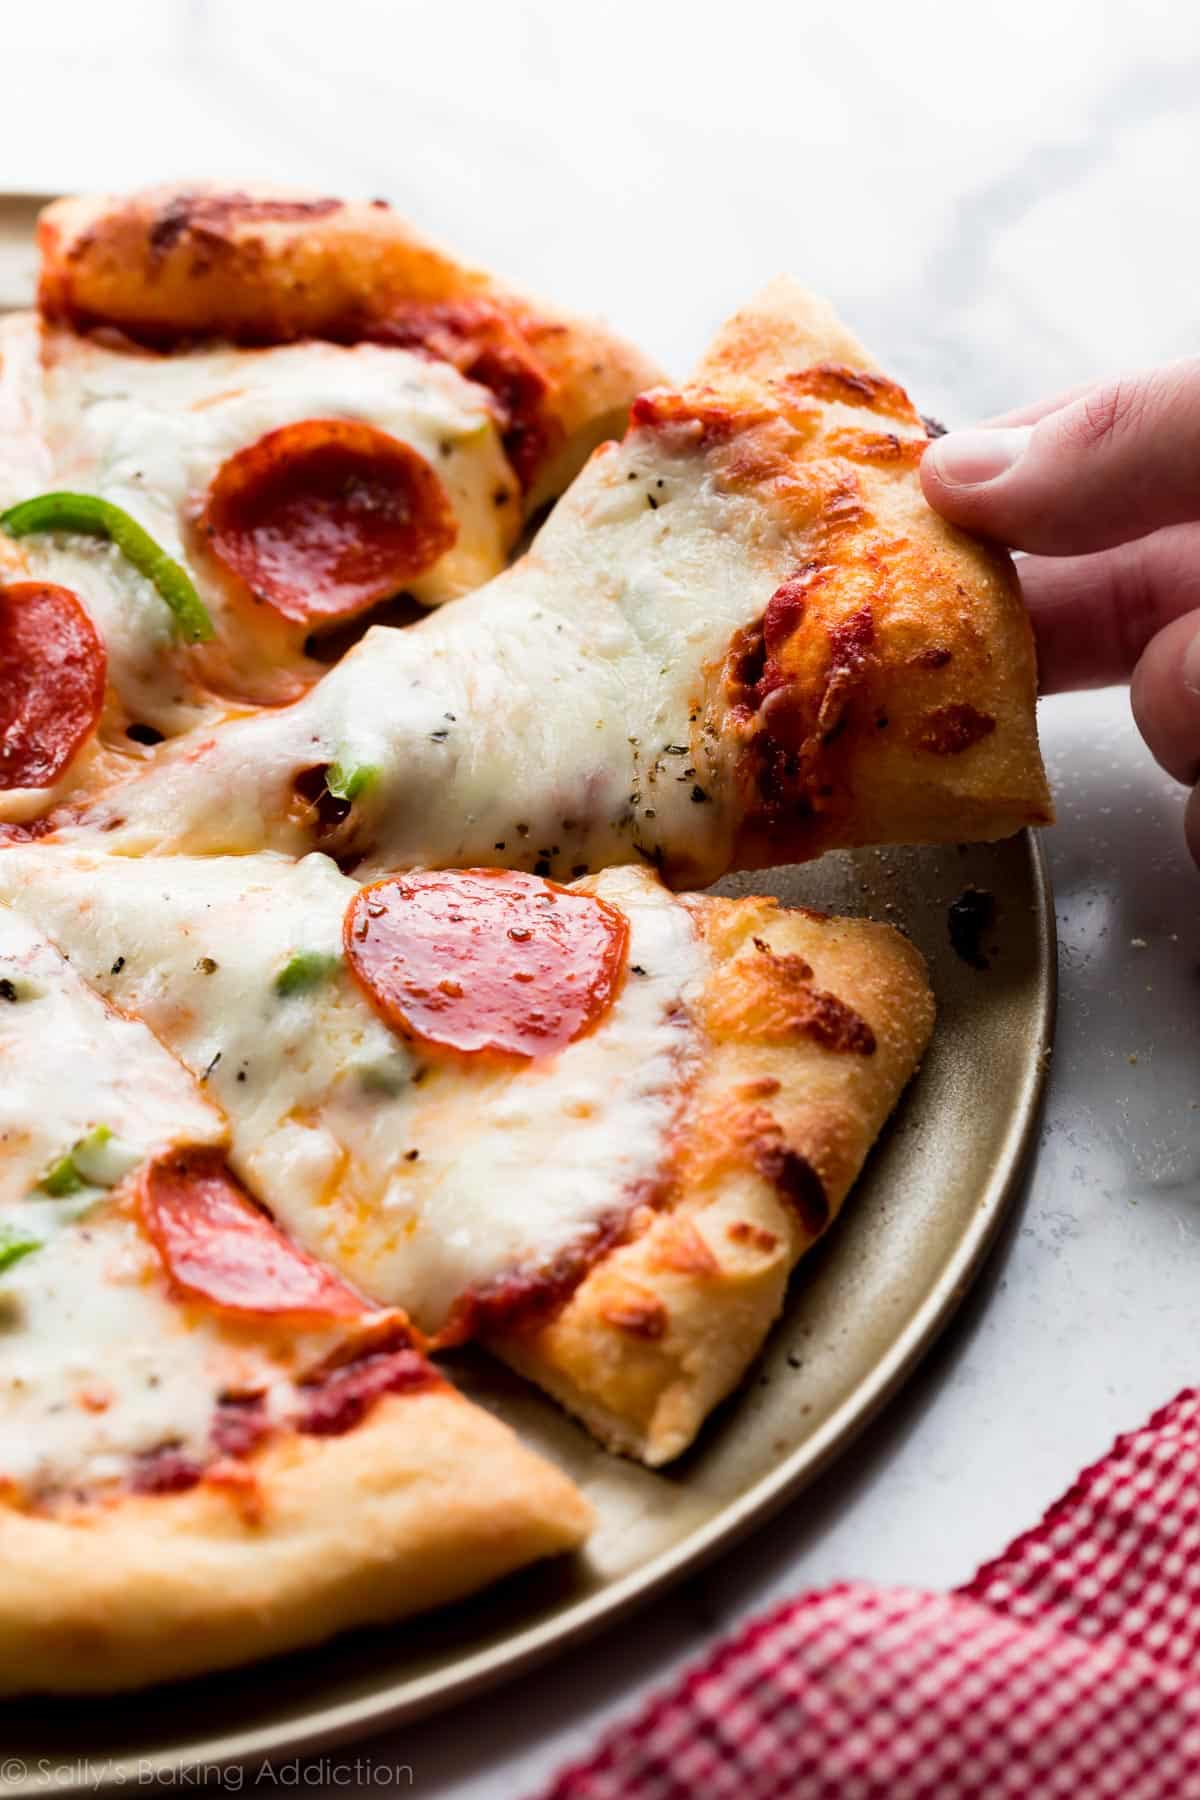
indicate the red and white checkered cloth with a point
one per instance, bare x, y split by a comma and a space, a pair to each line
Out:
1069, 1666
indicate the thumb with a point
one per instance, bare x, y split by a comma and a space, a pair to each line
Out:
1113, 464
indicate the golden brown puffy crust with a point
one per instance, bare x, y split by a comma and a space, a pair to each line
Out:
266, 266
813, 1026
427, 1500
887, 694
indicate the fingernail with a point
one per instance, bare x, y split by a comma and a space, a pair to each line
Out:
1191, 665
968, 458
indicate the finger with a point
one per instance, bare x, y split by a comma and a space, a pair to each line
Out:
1166, 698
1119, 462
1093, 616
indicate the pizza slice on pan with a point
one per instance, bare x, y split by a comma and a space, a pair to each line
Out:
212, 1447
594, 1126
257, 266
742, 638
228, 456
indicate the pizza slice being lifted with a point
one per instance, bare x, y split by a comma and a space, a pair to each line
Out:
742, 638
212, 1447
593, 1126
241, 421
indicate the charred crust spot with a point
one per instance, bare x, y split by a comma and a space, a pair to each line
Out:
836, 1026
843, 508
757, 1237
880, 449
769, 998
832, 381
789, 969
950, 730
639, 1315
188, 213
815, 1013
796, 1182
679, 1249
764, 1088
931, 656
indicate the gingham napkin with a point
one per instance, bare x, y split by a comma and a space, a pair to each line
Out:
1070, 1666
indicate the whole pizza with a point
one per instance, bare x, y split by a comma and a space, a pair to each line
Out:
384, 654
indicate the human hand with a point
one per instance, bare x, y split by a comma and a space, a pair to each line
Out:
1102, 485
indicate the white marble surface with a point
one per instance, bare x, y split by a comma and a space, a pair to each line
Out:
1003, 198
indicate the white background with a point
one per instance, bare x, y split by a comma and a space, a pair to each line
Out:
1003, 199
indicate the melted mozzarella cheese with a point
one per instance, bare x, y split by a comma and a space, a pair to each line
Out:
69, 1063
326, 1105
555, 717
150, 432
512, 1170
98, 1364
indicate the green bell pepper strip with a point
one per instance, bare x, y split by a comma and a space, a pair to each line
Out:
307, 970
12, 1249
346, 781
89, 514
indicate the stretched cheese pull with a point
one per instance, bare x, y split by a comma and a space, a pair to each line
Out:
742, 638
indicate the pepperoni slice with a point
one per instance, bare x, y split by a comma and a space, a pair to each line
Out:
323, 518
485, 960
52, 675
218, 1246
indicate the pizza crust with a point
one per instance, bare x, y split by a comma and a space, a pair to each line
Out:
935, 672
427, 1500
267, 266
783, 327
666, 1325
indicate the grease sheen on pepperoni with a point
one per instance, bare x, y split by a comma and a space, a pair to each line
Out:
485, 960
52, 674
325, 517
218, 1246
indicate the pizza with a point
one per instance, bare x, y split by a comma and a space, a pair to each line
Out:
594, 1126
212, 1446
224, 511
353, 1003
741, 638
